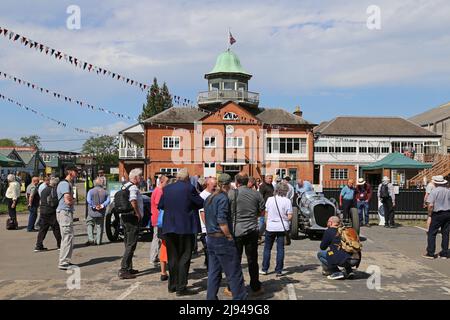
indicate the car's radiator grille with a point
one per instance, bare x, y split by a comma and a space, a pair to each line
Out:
322, 212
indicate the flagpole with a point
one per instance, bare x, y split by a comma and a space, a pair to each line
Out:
228, 36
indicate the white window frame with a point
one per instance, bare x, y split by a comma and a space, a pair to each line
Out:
210, 145
339, 173
169, 171
171, 140
236, 143
275, 143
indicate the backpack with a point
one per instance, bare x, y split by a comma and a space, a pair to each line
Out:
52, 199
122, 202
350, 242
384, 191
11, 224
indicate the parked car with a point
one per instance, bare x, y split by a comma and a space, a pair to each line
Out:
113, 225
311, 213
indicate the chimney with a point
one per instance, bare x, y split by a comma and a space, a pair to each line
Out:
298, 112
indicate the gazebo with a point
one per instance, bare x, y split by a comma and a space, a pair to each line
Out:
396, 166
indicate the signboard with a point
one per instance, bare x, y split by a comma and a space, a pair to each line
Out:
114, 170
231, 116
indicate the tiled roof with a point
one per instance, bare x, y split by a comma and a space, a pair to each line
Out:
372, 126
431, 116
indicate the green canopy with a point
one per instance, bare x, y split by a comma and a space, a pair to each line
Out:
396, 161
7, 162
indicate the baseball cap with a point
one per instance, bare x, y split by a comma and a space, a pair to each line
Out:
224, 178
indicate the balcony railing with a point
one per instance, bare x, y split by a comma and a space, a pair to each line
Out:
225, 95
131, 153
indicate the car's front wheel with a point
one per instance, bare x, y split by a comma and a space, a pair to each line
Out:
112, 226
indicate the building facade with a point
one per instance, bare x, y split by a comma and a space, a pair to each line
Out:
345, 143
437, 120
227, 133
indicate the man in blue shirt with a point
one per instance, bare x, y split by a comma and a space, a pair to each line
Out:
97, 199
304, 186
222, 251
347, 199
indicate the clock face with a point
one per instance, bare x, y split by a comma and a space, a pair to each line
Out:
229, 129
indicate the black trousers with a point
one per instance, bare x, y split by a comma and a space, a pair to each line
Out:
131, 235
388, 208
11, 211
439, 220
346, 206
249, 242
179, 254
45, 222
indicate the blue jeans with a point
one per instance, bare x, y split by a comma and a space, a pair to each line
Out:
261, 225
32, 218
322, 256
223, 257
363, 211
271, 237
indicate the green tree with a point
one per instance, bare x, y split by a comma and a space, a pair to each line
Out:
31, 141
104, 148
7, 143
158, 100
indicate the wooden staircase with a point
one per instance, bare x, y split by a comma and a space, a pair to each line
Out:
441, 167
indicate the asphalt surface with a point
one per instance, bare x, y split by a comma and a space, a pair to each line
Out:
396, 253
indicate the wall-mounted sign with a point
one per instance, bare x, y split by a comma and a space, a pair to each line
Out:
230, 116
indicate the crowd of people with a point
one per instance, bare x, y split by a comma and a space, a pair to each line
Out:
230, 216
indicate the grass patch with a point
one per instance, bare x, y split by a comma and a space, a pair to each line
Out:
20, 207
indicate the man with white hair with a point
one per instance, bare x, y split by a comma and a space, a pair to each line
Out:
12, 196
97, 199
49, 202
130, 222
387, 196
180, 202
439, 212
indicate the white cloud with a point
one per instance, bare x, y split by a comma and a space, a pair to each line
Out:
287, 45
110, 129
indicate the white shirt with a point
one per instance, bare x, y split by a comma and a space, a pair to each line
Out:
273, 218
204, 194
135, 194
13, 191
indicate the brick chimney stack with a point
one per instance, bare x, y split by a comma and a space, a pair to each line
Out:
298, 112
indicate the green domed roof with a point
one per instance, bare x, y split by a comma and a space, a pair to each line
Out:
228, 62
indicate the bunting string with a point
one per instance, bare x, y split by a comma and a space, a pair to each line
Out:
64, 97
38, 113
81, 64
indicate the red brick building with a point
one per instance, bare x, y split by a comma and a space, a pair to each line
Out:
228, 132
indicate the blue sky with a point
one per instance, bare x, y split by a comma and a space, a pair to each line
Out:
316, 54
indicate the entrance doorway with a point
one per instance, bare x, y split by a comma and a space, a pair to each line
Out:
232, 170
209, 169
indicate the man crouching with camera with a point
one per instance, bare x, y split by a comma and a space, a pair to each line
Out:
340, 247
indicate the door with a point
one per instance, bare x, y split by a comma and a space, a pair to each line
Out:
209, 169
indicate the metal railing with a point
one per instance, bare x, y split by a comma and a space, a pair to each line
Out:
408, 201
221, 95
131, 153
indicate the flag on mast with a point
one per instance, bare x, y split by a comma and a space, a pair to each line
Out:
232, 39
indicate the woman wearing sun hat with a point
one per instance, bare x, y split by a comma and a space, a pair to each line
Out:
363, 196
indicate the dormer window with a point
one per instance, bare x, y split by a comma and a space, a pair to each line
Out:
228, 85
215, 86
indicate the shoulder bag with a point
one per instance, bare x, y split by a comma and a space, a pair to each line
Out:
287, 237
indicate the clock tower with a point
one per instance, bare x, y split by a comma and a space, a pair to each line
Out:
228, 81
